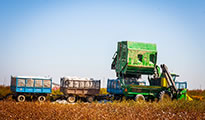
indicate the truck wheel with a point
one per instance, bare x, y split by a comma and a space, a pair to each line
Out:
165, 96
139, 98
41, 98
21, 98
71, 99
90, 99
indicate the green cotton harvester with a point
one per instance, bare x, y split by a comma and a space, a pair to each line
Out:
134, 59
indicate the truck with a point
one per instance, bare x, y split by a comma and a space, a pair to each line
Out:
30, 87
134, 59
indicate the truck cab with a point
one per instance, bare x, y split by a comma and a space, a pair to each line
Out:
181, 85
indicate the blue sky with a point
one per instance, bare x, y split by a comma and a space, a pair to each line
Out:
78, 38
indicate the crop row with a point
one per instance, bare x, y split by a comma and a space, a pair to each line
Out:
116, 110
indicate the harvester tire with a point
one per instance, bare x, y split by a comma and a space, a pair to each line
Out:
139, 98
90, 99
165, 96
21, 98
71, 99
41, 98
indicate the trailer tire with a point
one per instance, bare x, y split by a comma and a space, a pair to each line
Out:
10, 97
71, 99
41, 98
165, 96
21, 98
90, 99
139, 98
117, 97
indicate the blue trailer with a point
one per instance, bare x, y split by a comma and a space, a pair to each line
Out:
30, 87
114, 88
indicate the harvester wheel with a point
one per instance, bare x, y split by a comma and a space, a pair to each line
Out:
90, 99
71, 99
21, 98
139, 98
165, 96
41, 98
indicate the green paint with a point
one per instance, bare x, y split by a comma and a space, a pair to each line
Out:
134, 58
141, 93
182, 95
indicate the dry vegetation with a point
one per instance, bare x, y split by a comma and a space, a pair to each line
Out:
124, 110
196, 92
129, 110
4, 90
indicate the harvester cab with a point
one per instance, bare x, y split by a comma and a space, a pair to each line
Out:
181, 85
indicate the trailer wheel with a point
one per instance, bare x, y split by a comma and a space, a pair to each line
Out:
41, 98
21, 98
117, 97
10, 97
90, 99
165, 96
139, 98
71, 99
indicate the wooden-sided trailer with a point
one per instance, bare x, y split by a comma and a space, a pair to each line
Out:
75, 88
